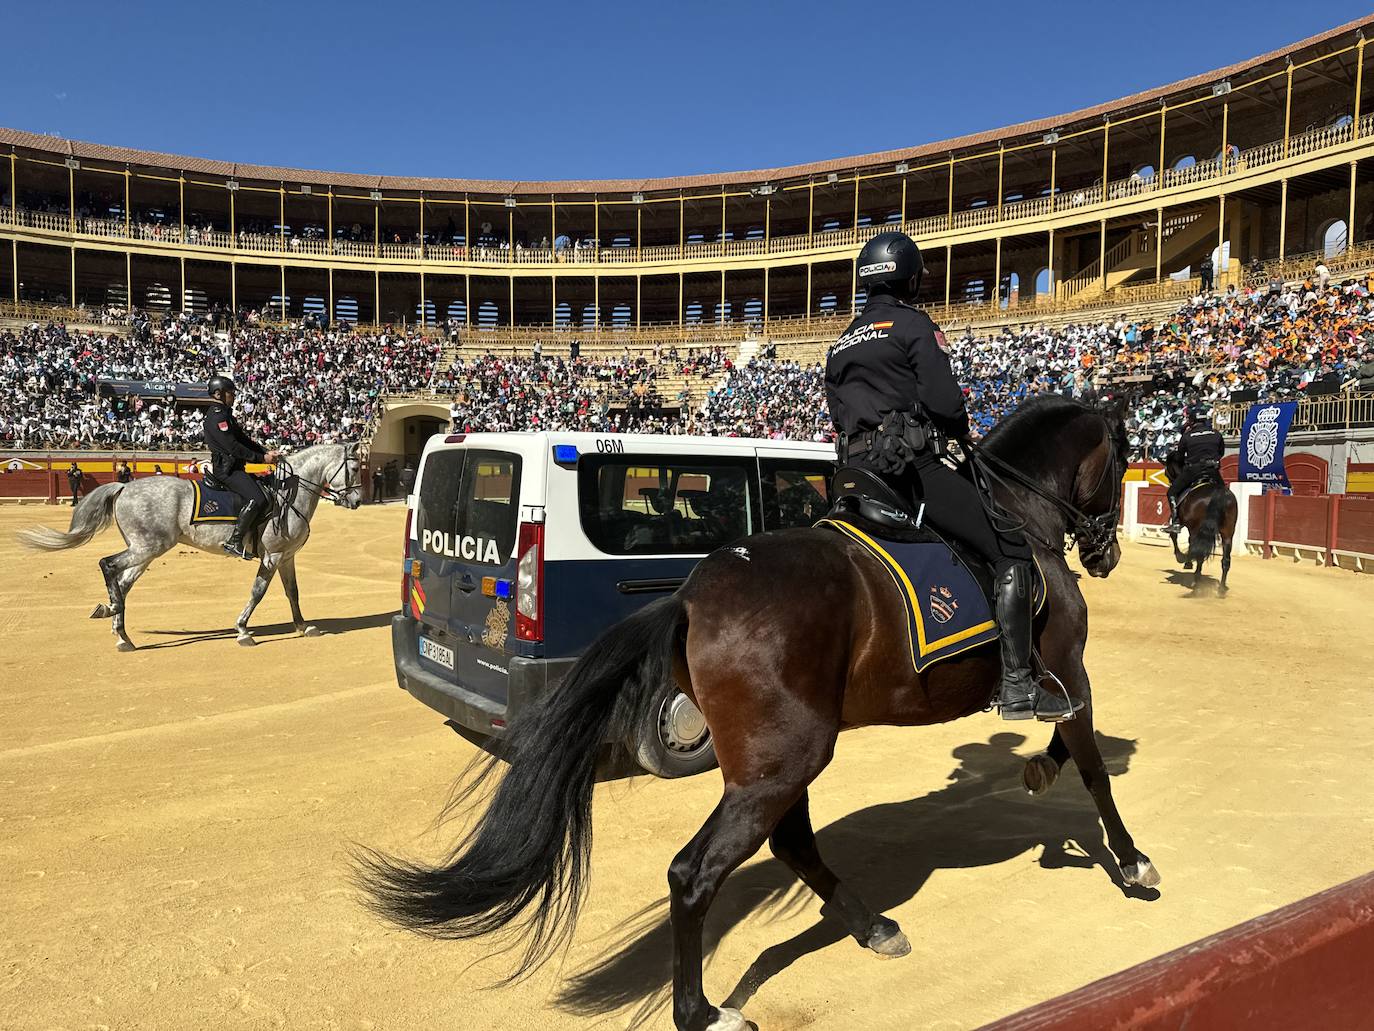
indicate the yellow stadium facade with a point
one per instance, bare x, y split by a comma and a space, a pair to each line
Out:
1259, 165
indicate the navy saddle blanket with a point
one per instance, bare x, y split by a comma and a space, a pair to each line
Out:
946, 604
213, 506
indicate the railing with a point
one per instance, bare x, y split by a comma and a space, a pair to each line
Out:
1344, 411
1065, 199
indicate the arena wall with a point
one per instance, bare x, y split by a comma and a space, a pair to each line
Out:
1302, 966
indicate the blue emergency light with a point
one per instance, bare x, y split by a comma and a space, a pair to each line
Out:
565, 454
503, 588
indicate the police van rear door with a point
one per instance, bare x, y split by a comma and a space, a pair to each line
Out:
481, 552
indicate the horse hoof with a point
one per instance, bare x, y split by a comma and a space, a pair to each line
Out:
102, 612
893, 946
124, 646
1039, 773
311, 631
246, 640
1142, 873
728, 1020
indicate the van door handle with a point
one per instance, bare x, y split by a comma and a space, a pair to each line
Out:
667, 583
467, 583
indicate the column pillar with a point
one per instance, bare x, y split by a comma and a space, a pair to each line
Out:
1350, 222
1221, 265
949, 206
1359, 89
1106, 144
1283, 216
1159, 244
183, 285
997, 279
1102, 255
283, 291
1050, 278
330, 272
681, 303
376, 297
949, 264
71, 198
71, 295
808, 289
1288, 109
126, 201
329, 241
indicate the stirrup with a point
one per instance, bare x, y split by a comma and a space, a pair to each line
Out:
239, 550
1059, 690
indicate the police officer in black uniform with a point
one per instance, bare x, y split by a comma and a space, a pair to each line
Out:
1198, 457
230, 450
893, 397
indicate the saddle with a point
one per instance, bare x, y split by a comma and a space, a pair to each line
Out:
944, 587
213, 502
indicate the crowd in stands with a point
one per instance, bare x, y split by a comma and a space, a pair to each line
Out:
62, 388
305, 382
619, 393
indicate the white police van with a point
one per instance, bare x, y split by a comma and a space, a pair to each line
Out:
520, 548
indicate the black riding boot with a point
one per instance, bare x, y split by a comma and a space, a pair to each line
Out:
1020, 696
248, 516
1174, 526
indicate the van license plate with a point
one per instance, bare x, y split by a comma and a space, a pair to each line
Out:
435, 652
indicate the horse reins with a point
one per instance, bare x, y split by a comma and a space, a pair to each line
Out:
1094, 531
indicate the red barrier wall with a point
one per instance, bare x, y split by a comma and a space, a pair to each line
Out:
1152, 506
1355, 528
1329, 523
1304, 966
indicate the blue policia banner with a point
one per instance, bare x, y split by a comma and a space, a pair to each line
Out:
1262, 437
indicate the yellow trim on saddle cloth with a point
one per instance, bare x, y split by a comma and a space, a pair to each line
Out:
195, 508
920, 647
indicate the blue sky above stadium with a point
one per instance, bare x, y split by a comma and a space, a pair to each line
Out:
541, 89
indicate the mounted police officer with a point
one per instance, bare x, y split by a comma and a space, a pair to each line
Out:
1197, 458
230, 450
894, 400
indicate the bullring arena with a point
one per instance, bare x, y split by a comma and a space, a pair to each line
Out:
179, 821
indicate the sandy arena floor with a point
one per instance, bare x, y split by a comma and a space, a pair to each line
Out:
175, 821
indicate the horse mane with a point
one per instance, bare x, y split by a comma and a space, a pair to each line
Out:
1022, 438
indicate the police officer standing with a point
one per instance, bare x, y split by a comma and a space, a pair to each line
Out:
893, 397
1197, 458
230, 450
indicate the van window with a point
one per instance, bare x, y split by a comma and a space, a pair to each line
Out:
638, 505
489, 502
439, 483
795, 492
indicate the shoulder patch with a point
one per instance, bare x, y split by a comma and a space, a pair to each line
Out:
224, 427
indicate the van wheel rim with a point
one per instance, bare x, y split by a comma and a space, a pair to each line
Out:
681, 727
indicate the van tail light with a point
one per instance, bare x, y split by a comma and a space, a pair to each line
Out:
529, 583
405, 565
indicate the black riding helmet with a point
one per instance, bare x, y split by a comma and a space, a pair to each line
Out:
219, 384
893, 261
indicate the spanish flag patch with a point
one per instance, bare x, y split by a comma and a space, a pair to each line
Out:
882, 325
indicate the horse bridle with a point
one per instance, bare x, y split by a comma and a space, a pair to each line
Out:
326, 489
1093, 533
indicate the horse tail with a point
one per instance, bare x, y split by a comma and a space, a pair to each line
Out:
92, 514
1204, 542
525, 861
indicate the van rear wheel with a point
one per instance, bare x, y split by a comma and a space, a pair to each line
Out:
672, 739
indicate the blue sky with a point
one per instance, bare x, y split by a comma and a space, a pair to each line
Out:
551, 90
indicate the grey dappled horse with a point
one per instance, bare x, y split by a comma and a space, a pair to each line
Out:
154, 515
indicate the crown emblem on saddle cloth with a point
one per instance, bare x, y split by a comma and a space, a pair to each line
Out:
1262, 443
942, 604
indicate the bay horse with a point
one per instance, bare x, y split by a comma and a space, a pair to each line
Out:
154, 515
1209, 512
782, 640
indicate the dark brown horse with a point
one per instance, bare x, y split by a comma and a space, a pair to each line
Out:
1209, 512
783, 641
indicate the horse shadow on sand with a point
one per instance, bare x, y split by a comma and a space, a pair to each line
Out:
1198, 587
885, 853
269, 632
